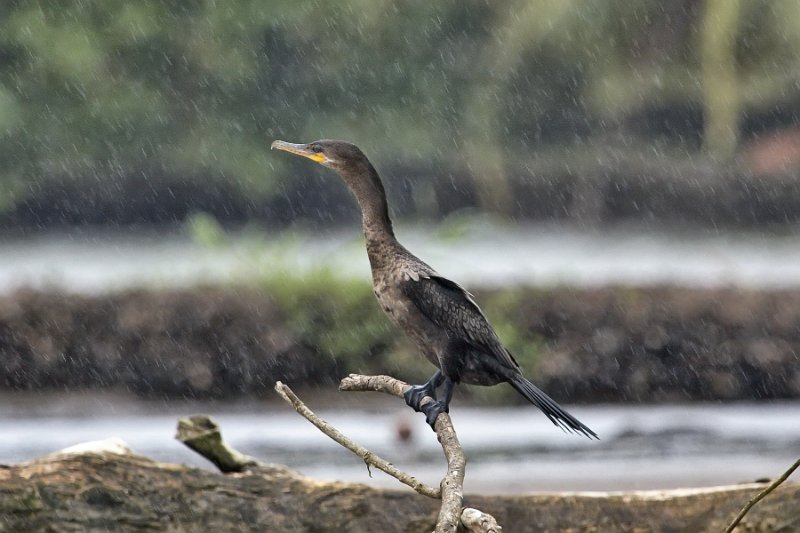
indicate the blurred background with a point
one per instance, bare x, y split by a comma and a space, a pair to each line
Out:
617, 181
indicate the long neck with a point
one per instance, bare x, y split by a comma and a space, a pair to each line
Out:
366, 186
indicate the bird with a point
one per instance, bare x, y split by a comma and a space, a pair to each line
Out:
440, 317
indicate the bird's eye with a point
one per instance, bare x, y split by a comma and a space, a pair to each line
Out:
316, 148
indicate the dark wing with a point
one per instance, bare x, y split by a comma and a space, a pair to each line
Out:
449, 306
452, 308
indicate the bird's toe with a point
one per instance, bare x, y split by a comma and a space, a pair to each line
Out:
415, 394
432, 411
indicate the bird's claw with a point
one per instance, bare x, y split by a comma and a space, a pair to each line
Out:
432, 411
416, 393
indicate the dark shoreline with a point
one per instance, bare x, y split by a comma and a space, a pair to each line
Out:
615, 187
586, 345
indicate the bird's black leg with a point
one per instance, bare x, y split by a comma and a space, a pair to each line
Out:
416, 393
433, 409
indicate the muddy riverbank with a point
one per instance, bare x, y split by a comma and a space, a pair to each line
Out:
586, 345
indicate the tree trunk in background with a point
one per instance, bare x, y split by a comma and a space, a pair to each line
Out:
721, 91
485, 145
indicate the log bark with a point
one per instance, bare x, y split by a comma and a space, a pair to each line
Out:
108, 487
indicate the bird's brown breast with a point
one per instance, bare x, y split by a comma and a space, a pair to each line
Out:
426, 336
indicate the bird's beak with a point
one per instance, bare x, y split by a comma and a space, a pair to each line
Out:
300, 149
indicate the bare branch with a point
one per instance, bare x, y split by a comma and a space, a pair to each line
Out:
368, 457
202, 434
387, 384
761, 495
452, 486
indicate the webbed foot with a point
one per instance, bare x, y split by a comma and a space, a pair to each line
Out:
416, 393
432, 410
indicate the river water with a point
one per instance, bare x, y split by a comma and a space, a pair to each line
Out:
510, 450
483, 255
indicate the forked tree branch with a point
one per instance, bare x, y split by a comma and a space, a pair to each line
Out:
451, 514
452, 486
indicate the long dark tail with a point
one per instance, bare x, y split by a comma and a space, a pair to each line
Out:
550, 408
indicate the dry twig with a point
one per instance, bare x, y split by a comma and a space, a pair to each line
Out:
368, 457
761, 495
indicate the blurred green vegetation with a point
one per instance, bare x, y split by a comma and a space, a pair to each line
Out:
338, 318
170, 97
331, 314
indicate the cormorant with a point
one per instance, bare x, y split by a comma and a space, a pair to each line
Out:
440, 316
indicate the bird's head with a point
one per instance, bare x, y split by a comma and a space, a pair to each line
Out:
355, 170
341, 156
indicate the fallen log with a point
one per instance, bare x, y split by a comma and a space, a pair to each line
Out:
105, 485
